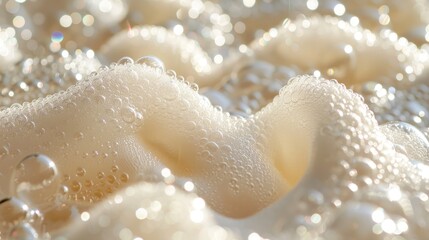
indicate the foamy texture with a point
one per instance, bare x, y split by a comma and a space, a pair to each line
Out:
147, 211
345, 52
316, 133
358, 184
93, 126
177, 52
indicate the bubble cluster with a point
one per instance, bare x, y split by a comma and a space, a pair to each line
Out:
37, 203
351, 189
398, 104
33, 78
289, 51
250, 87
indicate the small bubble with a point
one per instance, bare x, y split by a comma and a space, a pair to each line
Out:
171, 73
111, 179
100, 175
80, 172
115, 168
128, 114
194, 87
76, 186
125, 61
124, 177
153, 62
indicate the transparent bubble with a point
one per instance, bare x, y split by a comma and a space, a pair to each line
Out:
408, 140
12, 211
128, 114
36, 181
153, 62
170, 92
23, 231
125, 61
171, 73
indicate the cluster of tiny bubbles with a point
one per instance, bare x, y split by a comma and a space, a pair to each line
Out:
250, 87
38, 204
201, 21
72, 24
408, 140
383, 191
87, 190
35, 77
157, 64
391, 104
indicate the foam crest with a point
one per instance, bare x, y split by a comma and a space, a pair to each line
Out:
180, 53
345, 52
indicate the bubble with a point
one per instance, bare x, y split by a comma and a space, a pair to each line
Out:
23, 231
35, 180
194, 87
128, 114
153, 62
365, 167
170, 92
111, 179
125, 61
408, 138
80, 172
124, 177
114, 168
12, 211
76, 186
171, 73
